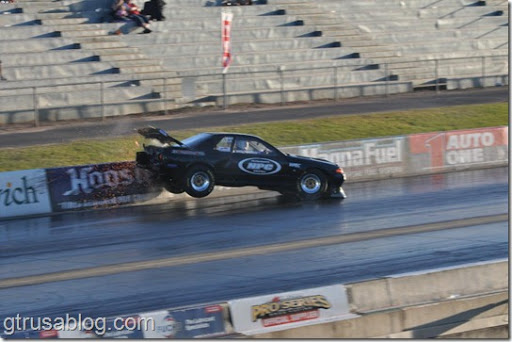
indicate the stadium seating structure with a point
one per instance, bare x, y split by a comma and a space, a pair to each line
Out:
60, 59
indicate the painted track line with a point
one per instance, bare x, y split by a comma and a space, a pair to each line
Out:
244, 252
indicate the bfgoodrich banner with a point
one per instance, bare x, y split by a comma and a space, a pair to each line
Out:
90, 186
23, 193
287, 310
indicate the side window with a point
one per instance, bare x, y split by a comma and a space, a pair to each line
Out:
261, 148
250, 146
224, 145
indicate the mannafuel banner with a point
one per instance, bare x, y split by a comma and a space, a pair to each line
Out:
287, 310
368, 158
24, 193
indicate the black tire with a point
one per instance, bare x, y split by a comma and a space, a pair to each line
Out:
173, 188
311, 185
199, 181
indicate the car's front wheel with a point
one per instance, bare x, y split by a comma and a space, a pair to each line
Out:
199, 181
311, 185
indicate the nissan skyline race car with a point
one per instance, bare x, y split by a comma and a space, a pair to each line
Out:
198, 163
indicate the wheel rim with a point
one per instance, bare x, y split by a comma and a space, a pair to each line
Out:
200, 181
310, 183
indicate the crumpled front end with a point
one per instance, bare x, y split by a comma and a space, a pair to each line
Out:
336, 183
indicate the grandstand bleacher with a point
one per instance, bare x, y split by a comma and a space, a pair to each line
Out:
60, 60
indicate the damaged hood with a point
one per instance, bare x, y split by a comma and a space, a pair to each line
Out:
158, 134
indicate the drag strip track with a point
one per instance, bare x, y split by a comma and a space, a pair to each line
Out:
186, 252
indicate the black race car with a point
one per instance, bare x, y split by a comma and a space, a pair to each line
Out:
198, 163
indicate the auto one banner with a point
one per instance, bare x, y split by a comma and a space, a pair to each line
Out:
90, 186
287, 310
23, 192
459, 149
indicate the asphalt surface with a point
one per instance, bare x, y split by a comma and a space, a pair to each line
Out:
218, 249
12, 136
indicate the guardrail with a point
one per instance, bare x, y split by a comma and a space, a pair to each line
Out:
336, 84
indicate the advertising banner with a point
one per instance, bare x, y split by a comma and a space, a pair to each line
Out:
456, 149
287, 310
127, 327
23, 192
367, 158
197, 322
32, 334
91, 186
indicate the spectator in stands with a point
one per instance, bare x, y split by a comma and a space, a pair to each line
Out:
126, 9
154, 9
119, 10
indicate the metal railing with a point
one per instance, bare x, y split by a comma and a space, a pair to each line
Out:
275, 80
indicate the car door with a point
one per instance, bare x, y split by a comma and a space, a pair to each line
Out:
254, 162
220, 156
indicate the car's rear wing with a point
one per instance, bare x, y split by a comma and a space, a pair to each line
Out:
158, 134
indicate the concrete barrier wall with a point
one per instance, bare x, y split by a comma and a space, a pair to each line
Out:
466, 301
475, 317
400, 291
95, 186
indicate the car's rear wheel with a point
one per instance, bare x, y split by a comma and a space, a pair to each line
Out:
199, 181
311, 185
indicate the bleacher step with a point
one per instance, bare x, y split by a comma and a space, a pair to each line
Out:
102, 45
121, 57
83, 33
140, 69
70, 21
115, 51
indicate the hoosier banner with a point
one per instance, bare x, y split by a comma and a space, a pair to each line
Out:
90, 186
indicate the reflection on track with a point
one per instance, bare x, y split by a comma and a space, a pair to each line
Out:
231, 253
181, 228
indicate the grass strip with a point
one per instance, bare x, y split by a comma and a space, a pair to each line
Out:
278, 133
